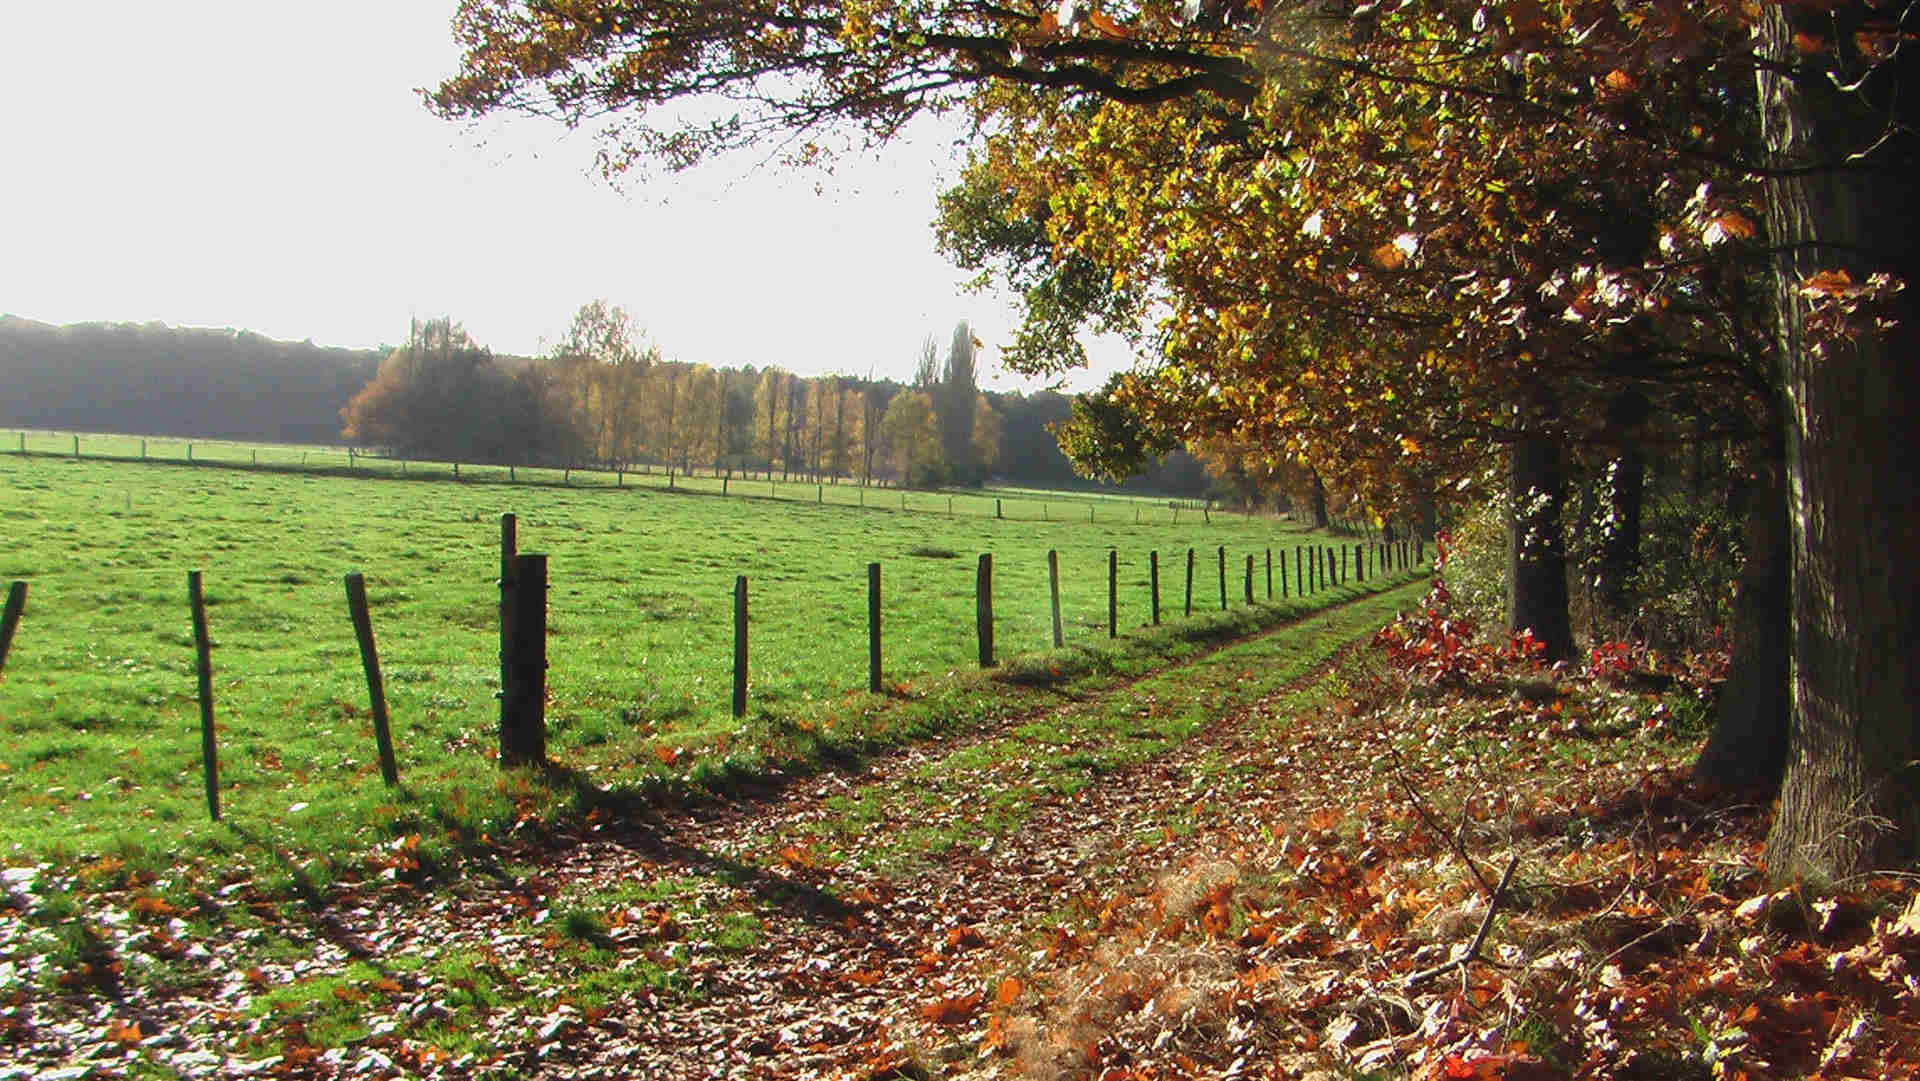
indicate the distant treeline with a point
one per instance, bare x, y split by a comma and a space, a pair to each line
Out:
152, 379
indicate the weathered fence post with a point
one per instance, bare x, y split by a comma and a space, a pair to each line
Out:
1053, 591
1269, 573
740, 646
996, 508
1360, 562
203, 657
1249, 582
370, 660
16, 605
873, 628
1113, 592
983, 608
523, 728
1189, 608
1153, 583
1223, 578
509, 547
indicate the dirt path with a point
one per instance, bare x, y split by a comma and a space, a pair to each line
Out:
857, 971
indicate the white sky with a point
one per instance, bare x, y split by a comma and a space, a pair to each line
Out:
265, 165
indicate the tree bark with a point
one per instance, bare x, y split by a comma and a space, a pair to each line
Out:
1850, 800
1620, 548
1319, 501
1748, 747
1536, 550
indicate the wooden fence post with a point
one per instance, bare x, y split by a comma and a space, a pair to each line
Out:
370, 661
1153, 582
1189, 609
1249, 582
996, 508
1113, 592
873, 628
1223, 577
16, 605
740, 646
523, 729
1269, 573
983, 607
1360, 562
509, 547
203, 657
1053, 591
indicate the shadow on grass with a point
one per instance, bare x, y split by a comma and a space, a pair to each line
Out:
631, 822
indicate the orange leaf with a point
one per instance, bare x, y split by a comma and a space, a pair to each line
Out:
1106, 25
149, 905
1009, 990
667, 755
1736, 224
1827, 283
965, 937
127, 1035
957, 1010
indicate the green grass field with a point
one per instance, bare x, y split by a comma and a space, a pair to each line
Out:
97, 703
1012, 503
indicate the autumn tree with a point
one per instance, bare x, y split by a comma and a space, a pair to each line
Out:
910, 438
605, 366
1391, 238
440, 394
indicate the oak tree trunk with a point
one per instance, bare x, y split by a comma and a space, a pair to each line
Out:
1748, 747
1850, 800
1536, 548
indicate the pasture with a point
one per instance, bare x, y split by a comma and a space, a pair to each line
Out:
98, 707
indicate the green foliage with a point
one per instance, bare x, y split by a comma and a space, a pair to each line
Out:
1106, 438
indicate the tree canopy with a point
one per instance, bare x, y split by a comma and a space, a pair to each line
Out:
1383, 240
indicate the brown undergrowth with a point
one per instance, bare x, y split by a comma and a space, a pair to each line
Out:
1330, 926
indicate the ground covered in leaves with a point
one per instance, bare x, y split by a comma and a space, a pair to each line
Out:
1289, 858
